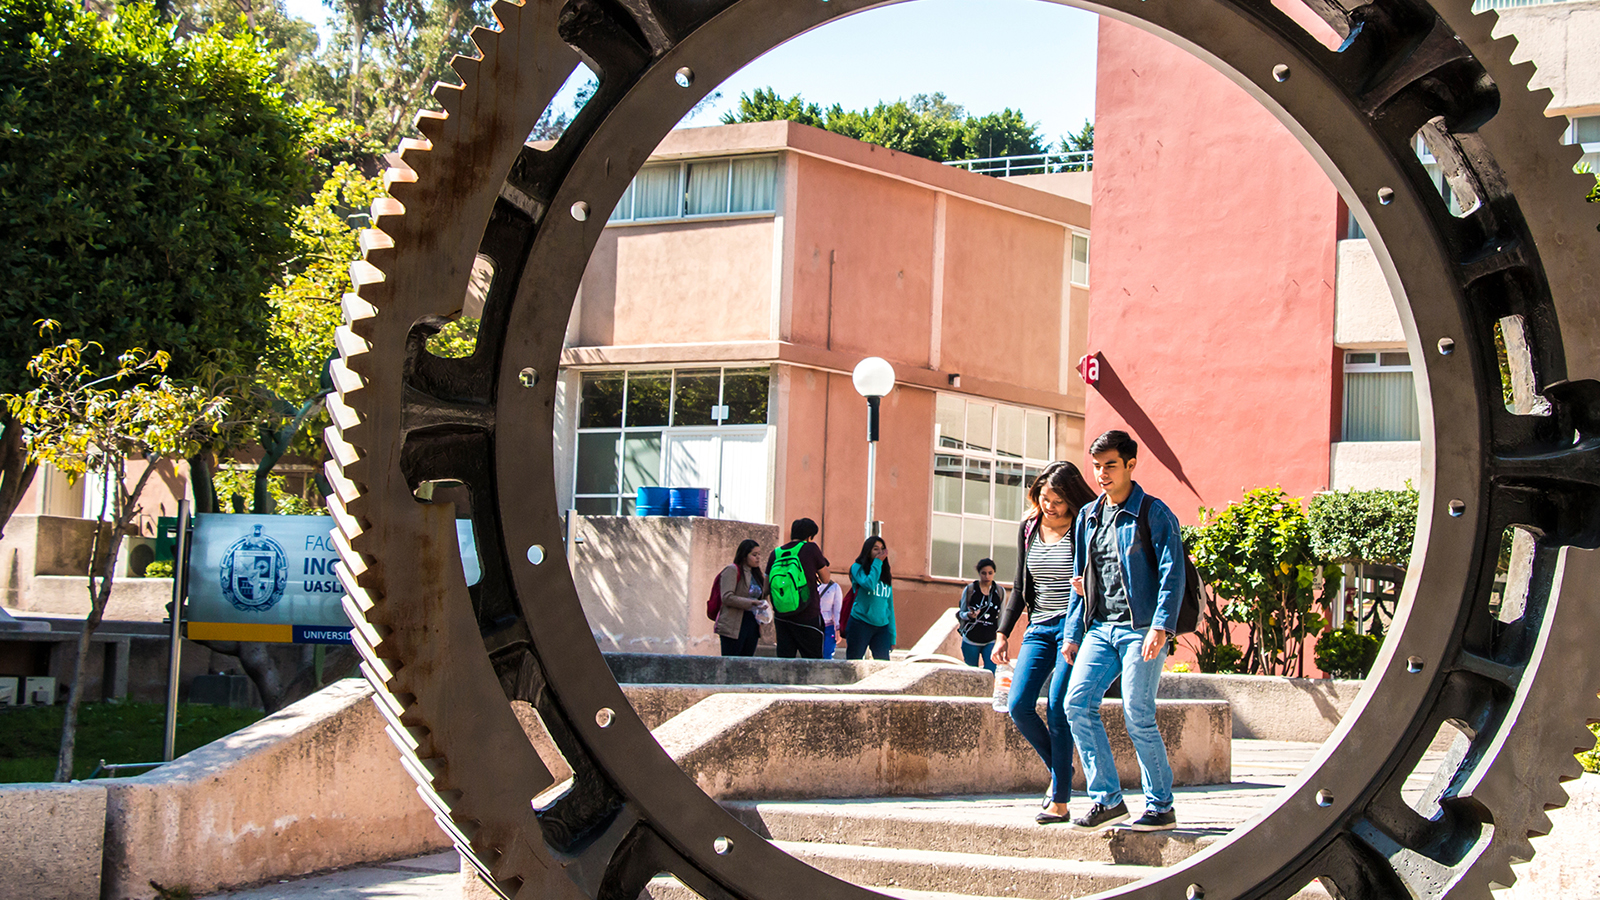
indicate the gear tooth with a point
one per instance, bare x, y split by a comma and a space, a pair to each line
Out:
504, 11
386, 206
375, 239
344, 418
348, 523
1500, 876
396, 175
448, 96
342, 451
430, 123
468, 66
363, 273
356, 309
1538, 825
343, 487
343, 378
353, 562
410, 146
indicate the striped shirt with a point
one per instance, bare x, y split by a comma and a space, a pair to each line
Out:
1050, 568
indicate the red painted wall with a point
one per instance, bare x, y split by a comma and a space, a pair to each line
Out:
1211, 281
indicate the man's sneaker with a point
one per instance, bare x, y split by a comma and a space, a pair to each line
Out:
1155, 821
1101, 817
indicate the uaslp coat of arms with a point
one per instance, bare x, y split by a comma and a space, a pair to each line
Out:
255, 572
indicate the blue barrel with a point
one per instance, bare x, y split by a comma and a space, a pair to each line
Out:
652, 501
690, 501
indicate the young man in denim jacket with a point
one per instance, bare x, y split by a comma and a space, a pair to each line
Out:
1124, 605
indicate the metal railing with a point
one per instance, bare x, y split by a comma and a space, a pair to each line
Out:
1036, 164
114, 768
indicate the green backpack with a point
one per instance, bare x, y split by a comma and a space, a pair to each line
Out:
787, 579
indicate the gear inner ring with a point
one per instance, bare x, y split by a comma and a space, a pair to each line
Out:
405, 417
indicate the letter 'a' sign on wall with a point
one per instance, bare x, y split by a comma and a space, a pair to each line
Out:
272, 579
1089, 368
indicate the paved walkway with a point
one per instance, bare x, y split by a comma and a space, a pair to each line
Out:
1260, 770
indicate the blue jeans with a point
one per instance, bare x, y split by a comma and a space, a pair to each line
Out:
1038, 661
829, 642
976, 653
861, 637
1109, 650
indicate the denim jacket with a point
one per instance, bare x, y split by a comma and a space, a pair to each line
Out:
1154, 592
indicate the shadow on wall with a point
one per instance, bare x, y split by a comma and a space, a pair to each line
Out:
1115, 392
644, 581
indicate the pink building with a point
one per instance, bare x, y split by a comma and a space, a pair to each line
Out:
743, 276
1248, 337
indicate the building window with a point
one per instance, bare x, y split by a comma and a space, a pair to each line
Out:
1584, 130
702, 427
1080, 259
1380, 399
700, 188
985, 455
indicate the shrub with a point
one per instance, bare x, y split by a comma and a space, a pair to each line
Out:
1219, 659
161, 568
1346, 654
1590, 759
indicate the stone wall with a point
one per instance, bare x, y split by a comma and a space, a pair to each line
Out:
315, 786
644, 581
54, 834
745, 746
1268, 708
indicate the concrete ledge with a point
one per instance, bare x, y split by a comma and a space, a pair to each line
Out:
315, 786
54, 837
657, 703
1268, 708
755, 746
668, 668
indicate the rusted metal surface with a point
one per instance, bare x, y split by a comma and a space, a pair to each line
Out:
447, 659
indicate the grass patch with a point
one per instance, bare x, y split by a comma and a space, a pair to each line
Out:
118, 732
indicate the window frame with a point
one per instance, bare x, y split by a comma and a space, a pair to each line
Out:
995, 459
1072, 271
629, 196
1377, 366
624, 429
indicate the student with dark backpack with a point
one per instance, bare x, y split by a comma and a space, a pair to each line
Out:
736, 593
793, 571
1129, 588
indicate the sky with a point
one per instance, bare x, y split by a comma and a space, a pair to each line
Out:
983, 54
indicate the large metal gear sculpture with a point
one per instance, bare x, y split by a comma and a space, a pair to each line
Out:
1519, 679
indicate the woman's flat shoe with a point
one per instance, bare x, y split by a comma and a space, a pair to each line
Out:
1046, 818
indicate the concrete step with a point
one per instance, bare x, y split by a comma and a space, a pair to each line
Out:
964, 873
992, 826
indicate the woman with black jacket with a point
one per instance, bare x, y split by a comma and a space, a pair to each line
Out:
1043, 588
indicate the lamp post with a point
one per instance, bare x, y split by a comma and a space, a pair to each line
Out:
873, 378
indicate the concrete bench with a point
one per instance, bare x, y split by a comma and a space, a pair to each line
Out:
766, 746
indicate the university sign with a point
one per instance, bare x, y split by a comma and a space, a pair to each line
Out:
272, 579
265, 578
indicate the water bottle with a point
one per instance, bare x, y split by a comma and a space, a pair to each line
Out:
1002, 686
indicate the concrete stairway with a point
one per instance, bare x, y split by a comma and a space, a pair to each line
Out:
936, 848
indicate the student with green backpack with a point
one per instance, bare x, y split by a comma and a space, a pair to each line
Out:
793, 571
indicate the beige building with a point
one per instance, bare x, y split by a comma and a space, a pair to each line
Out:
742, 277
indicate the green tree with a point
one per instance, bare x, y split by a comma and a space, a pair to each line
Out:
1079, 142
88, 424
767, 105
384, 57
149, 180
1005, 133
928, 125
1256, 556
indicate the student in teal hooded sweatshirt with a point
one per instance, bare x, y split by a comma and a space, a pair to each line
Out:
871, 625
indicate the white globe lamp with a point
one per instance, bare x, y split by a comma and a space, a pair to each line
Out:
873, 378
